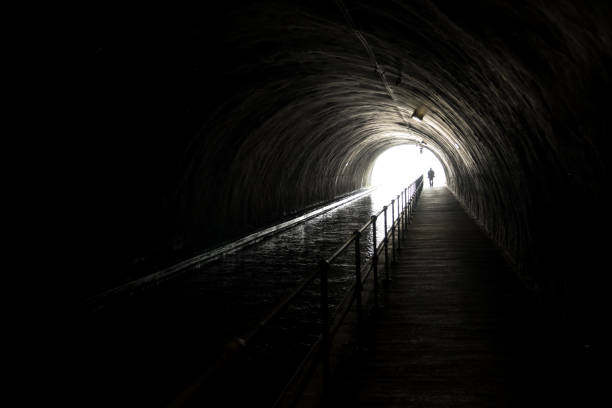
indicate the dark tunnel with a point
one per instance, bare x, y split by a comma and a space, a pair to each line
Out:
203, 125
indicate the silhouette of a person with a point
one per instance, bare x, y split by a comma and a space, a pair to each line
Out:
430, 176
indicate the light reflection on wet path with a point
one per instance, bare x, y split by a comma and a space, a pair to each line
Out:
260, 275
165, 335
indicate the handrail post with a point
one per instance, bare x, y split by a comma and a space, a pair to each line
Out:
403, 219
325, 335
386, 246
405, 211
399, 218
409, 198
410, 205
415, 194
374, 261
399, 223
393, 228
359, 283
413, 201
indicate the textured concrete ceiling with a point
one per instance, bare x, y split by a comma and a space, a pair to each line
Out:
217, 122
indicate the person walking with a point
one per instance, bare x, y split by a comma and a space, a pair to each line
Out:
430, 176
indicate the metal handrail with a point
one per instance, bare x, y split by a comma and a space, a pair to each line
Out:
408, 197
406, 204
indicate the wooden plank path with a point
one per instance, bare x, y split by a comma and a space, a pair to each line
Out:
457, 329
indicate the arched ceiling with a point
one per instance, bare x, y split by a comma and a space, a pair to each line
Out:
241, 113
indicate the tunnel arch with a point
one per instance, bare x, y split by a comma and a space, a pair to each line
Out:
241, 115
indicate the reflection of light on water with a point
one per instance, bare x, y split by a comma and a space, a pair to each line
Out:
399, 166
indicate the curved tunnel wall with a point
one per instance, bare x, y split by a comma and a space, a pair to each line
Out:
220, 123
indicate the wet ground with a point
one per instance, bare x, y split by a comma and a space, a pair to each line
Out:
143, 349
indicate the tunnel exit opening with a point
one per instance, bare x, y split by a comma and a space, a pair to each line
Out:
398, 166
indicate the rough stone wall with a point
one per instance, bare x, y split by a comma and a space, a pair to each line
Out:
216, 123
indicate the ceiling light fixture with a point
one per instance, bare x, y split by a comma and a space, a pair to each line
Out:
419, 112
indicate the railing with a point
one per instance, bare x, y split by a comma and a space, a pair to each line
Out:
406, 203
402, 211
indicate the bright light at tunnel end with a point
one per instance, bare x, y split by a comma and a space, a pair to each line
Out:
398, 166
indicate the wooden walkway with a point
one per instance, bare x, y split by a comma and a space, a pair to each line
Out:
456, 329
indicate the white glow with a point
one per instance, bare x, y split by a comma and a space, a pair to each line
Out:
398, 166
